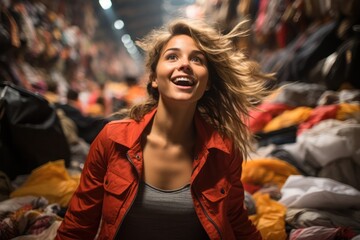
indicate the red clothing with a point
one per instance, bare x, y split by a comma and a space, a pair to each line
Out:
318, 114
264, 113
113, 169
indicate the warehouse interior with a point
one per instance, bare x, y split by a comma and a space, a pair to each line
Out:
68, 68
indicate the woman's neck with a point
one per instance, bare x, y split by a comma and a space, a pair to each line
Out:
174, 125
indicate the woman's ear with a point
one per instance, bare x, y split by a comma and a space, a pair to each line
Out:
153, 80
154, 83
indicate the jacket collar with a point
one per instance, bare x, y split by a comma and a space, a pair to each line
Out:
206, 134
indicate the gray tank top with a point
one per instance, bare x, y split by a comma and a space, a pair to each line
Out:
162, 215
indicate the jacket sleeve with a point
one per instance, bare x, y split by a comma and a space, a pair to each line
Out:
83, 215
242, 226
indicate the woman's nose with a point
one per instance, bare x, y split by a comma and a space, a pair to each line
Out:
185, 65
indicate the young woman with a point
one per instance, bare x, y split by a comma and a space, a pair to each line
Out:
172, 170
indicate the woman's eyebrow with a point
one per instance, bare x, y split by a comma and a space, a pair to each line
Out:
199, 52
178, 49
171, 49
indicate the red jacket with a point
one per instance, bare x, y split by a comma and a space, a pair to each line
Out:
113, 169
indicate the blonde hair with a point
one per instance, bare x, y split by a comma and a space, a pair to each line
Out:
237, 83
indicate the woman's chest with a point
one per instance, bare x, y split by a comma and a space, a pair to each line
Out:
167, 168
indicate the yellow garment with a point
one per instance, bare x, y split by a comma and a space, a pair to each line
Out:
288, 118
51, 181
51, 97
347, 111
95, 110
267, 170
269, 218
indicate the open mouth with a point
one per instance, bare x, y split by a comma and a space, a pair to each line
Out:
183, 81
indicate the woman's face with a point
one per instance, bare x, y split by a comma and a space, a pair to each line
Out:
182, 72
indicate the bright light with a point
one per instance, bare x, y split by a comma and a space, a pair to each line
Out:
194, 11
105, 4
126, 38
118, 24
129, 44
132, 49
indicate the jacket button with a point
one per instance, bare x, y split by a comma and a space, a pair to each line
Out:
222, 190
137, 157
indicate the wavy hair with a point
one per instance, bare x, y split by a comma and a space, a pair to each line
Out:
237, 83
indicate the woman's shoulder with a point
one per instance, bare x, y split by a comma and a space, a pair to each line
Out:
123, 132
121, 121
120, 125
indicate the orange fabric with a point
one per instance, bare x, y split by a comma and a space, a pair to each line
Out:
95, 110
51, 181
289, 118
270, 217
348, 111
51, 97
135, 95
267, 170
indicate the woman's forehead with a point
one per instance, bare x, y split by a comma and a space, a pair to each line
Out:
179, 41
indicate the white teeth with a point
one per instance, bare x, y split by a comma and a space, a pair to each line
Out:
184, 81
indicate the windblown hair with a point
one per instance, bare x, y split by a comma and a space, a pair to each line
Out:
237, 84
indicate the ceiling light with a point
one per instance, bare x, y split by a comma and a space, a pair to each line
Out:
118, 24
126, 38
105, 4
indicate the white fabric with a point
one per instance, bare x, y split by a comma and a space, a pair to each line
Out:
329, 63
330, 140
321, 193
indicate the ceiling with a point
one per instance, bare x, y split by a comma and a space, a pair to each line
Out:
141, 16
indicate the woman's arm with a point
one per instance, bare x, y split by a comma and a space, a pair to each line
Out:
84, 212
241, 224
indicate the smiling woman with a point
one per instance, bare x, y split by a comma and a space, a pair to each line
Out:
173, 169
181, 72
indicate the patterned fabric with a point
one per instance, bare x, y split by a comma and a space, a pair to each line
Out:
31, 218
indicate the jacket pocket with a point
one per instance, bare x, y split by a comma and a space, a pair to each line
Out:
217, 193
215, 198
115, 194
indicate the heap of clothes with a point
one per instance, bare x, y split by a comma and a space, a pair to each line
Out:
304, 176
301, 182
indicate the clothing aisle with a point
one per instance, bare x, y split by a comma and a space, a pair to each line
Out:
302, 181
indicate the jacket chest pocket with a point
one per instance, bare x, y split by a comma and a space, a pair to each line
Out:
116, 192
215, 198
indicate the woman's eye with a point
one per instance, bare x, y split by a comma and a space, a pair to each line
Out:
171, 57
197, 59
